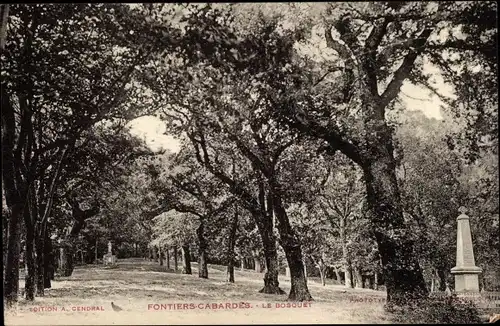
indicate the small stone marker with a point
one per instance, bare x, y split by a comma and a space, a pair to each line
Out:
466, 272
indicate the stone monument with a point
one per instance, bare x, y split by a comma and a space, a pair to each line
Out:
466, 272
109, 258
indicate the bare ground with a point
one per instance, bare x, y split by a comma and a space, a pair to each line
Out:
137, 285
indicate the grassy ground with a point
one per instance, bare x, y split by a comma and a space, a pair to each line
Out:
135, 284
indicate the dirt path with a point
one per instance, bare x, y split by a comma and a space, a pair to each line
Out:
149, 294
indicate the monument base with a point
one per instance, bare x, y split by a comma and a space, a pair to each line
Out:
466, 278
109, 259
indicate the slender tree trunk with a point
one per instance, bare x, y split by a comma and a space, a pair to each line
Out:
375, 281
293, 252
358, 278
160, 254
40, 264
186, 259
96, 247
345, 255
202, 250
322, 269
3, 24
402, 274
11, 281
256, 261
153, 252
167, 257
242, 262
176, 265
230, 247
48, 261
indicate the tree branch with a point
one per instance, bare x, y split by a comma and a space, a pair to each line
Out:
404, 70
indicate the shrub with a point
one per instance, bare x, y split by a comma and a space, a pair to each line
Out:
441, 310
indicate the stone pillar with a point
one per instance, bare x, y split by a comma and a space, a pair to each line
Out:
287, 271
466, 272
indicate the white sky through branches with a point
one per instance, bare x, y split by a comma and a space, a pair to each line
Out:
414, 97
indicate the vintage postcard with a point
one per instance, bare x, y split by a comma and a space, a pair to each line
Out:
250, 163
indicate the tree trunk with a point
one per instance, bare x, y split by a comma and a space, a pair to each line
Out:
375, 281
11, 281
337, 275
293, 252
402, 274
67, 263
345, 255
40, 265
256, 261
264, 219
242, 262
160, 254
167, 257
153, 252
48, 261
230, 247
68, 245
202, 250
186, 259
442, 279
358, 278
31, 273
96, 247
176, 265
322, 269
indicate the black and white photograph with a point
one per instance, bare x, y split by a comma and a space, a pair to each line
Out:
250, 163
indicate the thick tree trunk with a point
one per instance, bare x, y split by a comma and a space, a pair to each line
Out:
337, 275
230, 247
402, 274
11, 280
176, 263
358, 278
31, 274
67, 262
202, 251
264, 219
442, 279
186, 259
293, 252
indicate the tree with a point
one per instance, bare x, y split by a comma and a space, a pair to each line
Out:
350, 112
